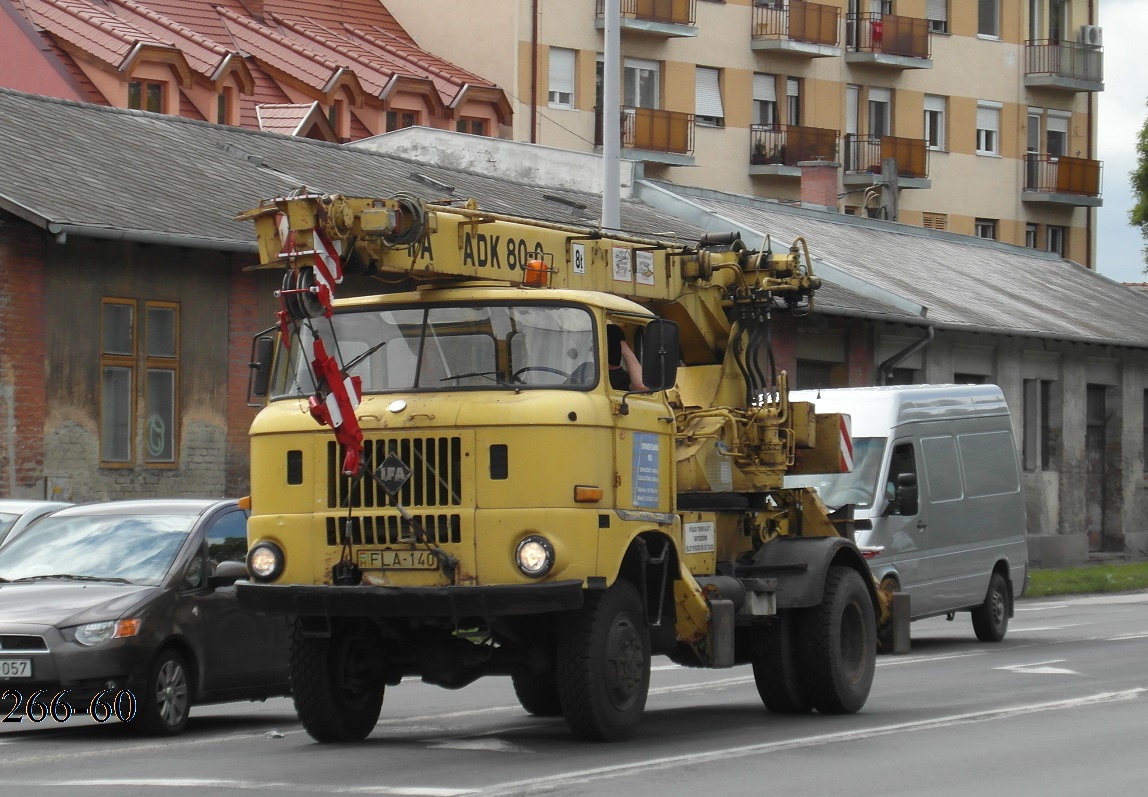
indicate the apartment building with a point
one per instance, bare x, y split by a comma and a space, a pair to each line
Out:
973, 116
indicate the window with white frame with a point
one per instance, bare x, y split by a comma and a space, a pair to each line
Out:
1056, 133
937, 13
1030, 235
708, 108
1054, 239
935, 121
988, 128
1041, 423
792, 101
561, 91
765, 99
988, 17
880, 111
641, 83
985, 228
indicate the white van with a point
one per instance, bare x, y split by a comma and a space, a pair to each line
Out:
937, 496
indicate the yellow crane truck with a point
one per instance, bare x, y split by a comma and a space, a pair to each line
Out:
450, 481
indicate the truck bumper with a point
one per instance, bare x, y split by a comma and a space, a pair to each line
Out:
371, 601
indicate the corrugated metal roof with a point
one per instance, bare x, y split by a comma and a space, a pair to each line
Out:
962, 281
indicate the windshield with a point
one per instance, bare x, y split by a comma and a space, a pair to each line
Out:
858, 487
6, 522
450, 347
135, 548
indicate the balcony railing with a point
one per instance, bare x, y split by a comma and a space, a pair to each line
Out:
888, 34
667, 12
864, 154
789, 145
652, 129
1052, 174
1066, 63
812, 23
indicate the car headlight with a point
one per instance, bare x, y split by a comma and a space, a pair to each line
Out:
98, 633
534, 556
265, 561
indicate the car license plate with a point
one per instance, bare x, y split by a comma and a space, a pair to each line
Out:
15, 668
397, 560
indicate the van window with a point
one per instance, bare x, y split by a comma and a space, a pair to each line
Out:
941, 468
990, 463
901, 460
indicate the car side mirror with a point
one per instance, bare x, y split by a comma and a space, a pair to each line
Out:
907, 493
226, 574
660, 354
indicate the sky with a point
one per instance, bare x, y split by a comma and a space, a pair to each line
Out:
1122, 111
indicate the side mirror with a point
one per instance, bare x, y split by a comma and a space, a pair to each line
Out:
907, 493
226, 574
660, 354
262, 353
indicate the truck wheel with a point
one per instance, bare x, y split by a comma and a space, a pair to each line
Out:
838, 645
604, 664
990, 619
166, 701
537, 692
336, 682
775, 671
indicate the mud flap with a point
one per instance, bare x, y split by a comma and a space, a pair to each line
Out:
721, 633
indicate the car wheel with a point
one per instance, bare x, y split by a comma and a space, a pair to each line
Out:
838, 645
604, 664
990, 619
166, 700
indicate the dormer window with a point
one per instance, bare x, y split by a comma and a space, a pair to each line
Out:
146, 95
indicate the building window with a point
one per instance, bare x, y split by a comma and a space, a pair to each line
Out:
146, 95
880, 112
988, 128
792, 101
765, 100
1030, 235
988, 18
1054, 239
561, 93
935, 221
476, 127
1144, 450
934, 121
937, 13
397, 120
224, 103
1039, 424
986, 228
122, 364
335, 115
1056, 134
708, 108
969, 379
812, 374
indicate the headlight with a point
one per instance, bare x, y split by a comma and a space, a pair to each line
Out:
265, 561
98, 633
534, 556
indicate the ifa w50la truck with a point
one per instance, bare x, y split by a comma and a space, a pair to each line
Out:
447, 482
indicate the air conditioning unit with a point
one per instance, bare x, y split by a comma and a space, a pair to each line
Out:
1090, 34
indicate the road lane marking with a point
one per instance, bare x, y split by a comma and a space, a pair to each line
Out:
545, 784
1126, 637
1039, 668
252, 785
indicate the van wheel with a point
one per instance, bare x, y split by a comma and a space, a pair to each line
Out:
775, 669
990, 619
838, 645
604, 664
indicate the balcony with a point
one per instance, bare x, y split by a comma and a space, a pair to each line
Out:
1066, 66
778, 149
887, 40
865, 154
803, 29
664, 18
653, 135
1061, 180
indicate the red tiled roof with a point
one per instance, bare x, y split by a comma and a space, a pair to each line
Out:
89, 28
203, 54
280, 52
285, 118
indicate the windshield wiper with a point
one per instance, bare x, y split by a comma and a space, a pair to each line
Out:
71, 577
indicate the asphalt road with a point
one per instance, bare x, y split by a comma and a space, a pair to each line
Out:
1058, 708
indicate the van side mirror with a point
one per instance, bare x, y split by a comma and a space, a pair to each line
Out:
660, 354
262, 353
906, 498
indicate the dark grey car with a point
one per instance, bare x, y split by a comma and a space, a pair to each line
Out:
132, 604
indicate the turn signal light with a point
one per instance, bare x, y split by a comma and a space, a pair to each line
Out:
584, 494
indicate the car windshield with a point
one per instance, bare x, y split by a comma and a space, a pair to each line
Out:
449, 347
134, 548
6, 522
858, 487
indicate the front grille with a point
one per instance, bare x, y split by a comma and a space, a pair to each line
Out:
393, 529
14, 643
436, 474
